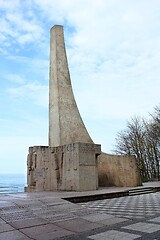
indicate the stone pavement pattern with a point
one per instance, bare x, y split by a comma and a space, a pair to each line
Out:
46, 216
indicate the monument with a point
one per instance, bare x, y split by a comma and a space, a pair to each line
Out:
70, 160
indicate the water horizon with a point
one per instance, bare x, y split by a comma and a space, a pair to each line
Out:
12, 182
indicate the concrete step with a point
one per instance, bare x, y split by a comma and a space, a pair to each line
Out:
138, 191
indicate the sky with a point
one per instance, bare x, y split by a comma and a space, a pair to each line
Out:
113, 50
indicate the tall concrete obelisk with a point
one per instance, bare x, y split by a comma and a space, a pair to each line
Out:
65, 123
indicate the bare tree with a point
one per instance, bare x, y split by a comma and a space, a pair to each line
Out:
142, 139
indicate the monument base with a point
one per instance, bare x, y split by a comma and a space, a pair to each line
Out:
71, 167
118, 170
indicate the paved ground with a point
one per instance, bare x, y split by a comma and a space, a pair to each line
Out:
47, 216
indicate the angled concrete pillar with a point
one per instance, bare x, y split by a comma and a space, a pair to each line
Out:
65, 123
70, 160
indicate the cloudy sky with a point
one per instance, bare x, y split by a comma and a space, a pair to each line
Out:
113, 49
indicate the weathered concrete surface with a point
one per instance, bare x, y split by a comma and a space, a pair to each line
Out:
65, 123
71, 167
118, 170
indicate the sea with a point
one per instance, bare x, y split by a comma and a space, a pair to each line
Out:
12, 183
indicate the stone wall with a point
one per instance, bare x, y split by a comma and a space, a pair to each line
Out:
71, 167
118, 170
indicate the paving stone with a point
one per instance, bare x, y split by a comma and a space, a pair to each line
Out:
78, 225
26, 203
55, 201
11, 210
104, 219
13, 235
113, 220
84, 212
16, 215
25, 223
59, 217
4, 227
42, 229
144, 227
2, 221
53, 235
97, 217
114, 235
157, 220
